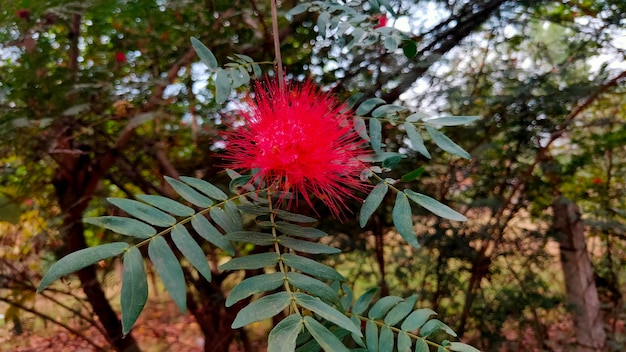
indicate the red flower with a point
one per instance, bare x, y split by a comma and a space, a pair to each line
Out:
299, 140
23, 13
120, 57
382, 21
597, 181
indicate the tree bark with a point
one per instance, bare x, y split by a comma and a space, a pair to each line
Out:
69, 183
579, 276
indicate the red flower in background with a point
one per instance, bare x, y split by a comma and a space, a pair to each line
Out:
300, 140
382, 21
23, 14
120, 57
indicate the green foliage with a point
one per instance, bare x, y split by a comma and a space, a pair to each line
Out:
329, 313
318, 310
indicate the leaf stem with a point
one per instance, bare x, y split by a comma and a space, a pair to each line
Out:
283, 268
276, 36
396, 330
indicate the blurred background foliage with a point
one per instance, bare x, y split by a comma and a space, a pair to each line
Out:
103, 98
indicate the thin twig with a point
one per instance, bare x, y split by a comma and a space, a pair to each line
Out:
279, 60
51, 319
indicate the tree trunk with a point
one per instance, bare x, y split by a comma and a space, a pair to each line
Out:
579, 277
71, 183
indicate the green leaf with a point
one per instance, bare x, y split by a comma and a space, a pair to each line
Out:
409, 49
283, 336
143, 212
382, 306
347, 299
451, 120
368, 105
446, 143
358, 339
285, 215
387, 109
234, 215
299, 231
166, 204
416, 319
435, 325
169, 271
434, 206
375, 158
400, 311
205, 187
322, 23
372, 202
386, 340
245, 58
204, 54
134, 288
371, 336
392, 162
461, 347
363, 302
188, 193
421, 346
123, 226
417, 142
237, 78
403, 220
80, 259
326, 339
416, 116
254, 285
360, 127
301, 8
351, 102
191, 250
253, 261
313, 286
261, 309
254, 209
404, 342
207, 231
307, 246
222, 220
258, 238
222, 86
356, 34
387, 5
413, 174
376, 135
390, 43
257, 70
325, 311
312, 267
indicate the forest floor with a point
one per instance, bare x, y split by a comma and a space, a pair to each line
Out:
161, 327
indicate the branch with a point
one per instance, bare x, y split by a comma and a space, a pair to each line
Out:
442, 43
54, 321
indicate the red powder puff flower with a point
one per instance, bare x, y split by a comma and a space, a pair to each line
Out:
299, 140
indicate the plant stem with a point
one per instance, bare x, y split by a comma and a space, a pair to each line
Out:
279, 60
283, 268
